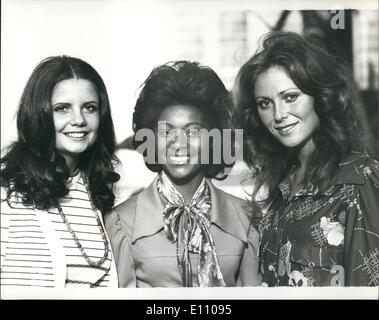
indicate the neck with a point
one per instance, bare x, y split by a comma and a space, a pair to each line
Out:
305, 153
72, 164
188, 189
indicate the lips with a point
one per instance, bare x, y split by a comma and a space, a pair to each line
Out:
178, 159
285, 129
76, 134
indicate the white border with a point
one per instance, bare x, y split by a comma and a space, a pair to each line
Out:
258, 293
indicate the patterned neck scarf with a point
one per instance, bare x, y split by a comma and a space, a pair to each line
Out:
189, 225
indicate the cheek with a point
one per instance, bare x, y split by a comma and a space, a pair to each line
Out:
94, 121
265, 117
195, 145
59, 122
161, 145
313, 121
309, 114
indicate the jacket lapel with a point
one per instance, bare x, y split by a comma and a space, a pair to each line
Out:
224, 214
149, 212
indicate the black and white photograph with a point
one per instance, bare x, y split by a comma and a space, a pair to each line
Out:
189, 149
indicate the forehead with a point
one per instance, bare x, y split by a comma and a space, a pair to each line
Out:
182, 115
273, 80
74, 89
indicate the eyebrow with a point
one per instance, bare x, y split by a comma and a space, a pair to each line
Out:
187, 124
60, 104
281, 92
284, 91
194, 123
91, 102
67, 103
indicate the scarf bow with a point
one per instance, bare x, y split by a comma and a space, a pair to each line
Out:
189, 226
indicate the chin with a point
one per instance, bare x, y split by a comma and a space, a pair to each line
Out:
76, 151
289, 143
178, 175
182, 175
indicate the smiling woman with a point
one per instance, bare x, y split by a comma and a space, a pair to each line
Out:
285, 111
180, 151
76, 118
182, 230
296, 102
57, 180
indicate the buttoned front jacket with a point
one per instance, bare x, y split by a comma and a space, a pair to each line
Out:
146, 258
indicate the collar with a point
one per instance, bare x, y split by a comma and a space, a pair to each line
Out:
149, 211
350, 171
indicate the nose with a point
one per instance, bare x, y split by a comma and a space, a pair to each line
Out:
179, 139
77, 118
280, 112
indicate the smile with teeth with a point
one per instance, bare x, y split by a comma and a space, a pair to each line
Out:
178, 159
287, 128
76, 134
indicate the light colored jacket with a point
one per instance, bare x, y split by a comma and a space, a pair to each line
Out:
146, 258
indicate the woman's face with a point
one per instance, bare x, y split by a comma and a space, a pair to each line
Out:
75, 107
287, 113
179, 145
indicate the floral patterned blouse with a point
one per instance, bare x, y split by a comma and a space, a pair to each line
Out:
325, 239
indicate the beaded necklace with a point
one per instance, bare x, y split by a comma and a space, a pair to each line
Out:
106, 245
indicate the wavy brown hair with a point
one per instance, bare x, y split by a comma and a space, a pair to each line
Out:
317, 73
32, 166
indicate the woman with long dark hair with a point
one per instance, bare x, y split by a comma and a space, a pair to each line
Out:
182, 231
57, 179
295, 102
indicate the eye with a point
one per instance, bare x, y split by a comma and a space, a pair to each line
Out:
192, 133
263, 104
91, 108
61, 108
291, 97
165, 133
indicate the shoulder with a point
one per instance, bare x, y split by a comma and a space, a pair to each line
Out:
358, 168
126, 207
242, 207
228, 197
122, 215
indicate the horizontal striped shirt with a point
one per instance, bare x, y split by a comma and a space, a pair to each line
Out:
27, 252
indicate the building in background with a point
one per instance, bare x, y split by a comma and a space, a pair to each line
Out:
224, 36
365, 65
365, 49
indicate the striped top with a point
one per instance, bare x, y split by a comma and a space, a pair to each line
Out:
37, 245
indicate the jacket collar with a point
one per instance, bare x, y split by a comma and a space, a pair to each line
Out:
149, 211
350, 171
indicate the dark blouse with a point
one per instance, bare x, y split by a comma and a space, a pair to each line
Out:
325, 239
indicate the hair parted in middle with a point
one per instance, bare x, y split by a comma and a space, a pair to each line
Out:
317, 73
183, 83
32, 165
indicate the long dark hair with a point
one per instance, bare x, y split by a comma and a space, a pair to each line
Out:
32, 167
184, 82
317, 73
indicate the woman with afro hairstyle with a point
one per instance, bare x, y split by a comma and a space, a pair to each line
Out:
182, 231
